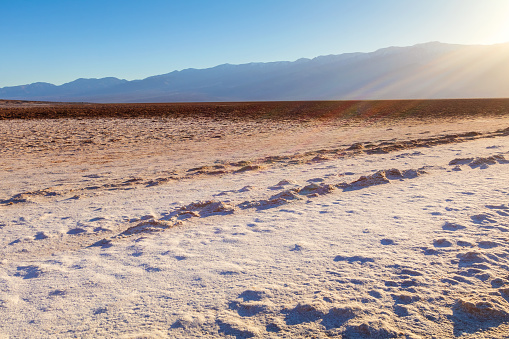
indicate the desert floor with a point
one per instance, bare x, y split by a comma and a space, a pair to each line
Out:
201, 227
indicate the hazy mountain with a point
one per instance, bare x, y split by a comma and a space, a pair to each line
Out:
430, 70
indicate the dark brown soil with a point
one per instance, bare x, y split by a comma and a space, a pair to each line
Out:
281, 110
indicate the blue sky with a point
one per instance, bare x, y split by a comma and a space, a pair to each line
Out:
59, 41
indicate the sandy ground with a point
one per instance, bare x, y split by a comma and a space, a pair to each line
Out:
148, 228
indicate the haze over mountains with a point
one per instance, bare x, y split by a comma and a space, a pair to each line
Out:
425, 71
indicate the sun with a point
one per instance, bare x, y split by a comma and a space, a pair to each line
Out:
495, 28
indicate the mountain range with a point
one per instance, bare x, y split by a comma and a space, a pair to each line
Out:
431, 70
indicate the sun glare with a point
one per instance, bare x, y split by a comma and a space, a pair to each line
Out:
496, 29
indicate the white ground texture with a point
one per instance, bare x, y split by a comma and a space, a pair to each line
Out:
312, 231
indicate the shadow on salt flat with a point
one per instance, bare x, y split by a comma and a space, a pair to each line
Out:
357, 258
28, 272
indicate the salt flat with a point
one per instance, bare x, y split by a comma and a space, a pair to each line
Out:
148, 228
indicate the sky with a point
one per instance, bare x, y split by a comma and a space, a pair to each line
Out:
58, 41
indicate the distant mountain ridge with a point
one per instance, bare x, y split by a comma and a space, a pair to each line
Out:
425, 71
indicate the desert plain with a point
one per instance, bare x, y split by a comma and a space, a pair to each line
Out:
386, 219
